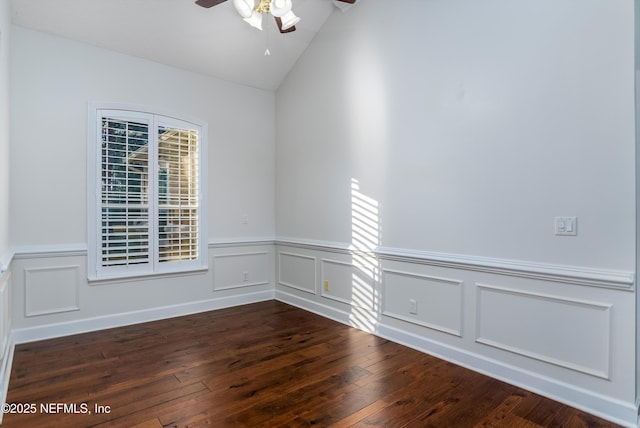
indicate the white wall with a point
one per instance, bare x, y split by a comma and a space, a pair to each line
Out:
472, 124
5, 28
442, 137
52, 81
637, 55
450, 136
6, 349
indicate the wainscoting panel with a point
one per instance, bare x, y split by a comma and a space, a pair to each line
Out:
51, 290
240, 270
570, 333
338, 281
561, 331
428, 301
569, 338
5, 314
297, 271
6, 343
52, 297
349, 282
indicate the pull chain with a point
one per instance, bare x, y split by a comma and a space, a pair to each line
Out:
267, 52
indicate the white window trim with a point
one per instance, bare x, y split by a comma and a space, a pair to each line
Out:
94, 193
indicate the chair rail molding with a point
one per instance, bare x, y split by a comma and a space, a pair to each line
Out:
606, 278
621, 280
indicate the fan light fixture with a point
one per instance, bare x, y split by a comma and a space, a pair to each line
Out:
252, 11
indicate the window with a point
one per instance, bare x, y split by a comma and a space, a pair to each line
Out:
145, 194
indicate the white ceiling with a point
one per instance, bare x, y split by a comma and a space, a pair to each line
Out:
214, 41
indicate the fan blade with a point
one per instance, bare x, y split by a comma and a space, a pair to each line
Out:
348, 1
209, 3
288, 30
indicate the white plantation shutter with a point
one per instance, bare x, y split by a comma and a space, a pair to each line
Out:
124, 204
177, 194
146, 215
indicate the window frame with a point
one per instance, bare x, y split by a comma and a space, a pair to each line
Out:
155, 119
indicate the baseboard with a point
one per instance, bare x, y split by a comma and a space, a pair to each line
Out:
32, 334
314, 307
622, 413
5, 373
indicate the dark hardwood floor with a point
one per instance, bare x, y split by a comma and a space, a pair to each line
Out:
261, 365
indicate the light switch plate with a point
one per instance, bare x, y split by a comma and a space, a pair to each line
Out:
413, 307
566, 226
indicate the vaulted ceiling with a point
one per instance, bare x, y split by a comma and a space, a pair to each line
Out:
214, 41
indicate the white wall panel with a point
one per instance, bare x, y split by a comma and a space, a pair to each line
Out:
240, 270
352, 281
5, 30
568, 332
297, 271
450, 138
51, 290
438, 301
6, 340
51, 295
344, 282
53, 79
5, 313
570, 339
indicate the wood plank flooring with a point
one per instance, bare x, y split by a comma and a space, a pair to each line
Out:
261, 365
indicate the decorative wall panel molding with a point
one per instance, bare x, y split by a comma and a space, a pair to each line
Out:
51, 290
508, 333
570, 333
5, 313
350, 283
425, 300
297, 271
240, 270
67, 328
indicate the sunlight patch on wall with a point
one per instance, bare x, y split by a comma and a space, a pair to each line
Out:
368, 121
365, 237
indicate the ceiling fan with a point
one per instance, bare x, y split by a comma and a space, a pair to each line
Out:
252, 12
